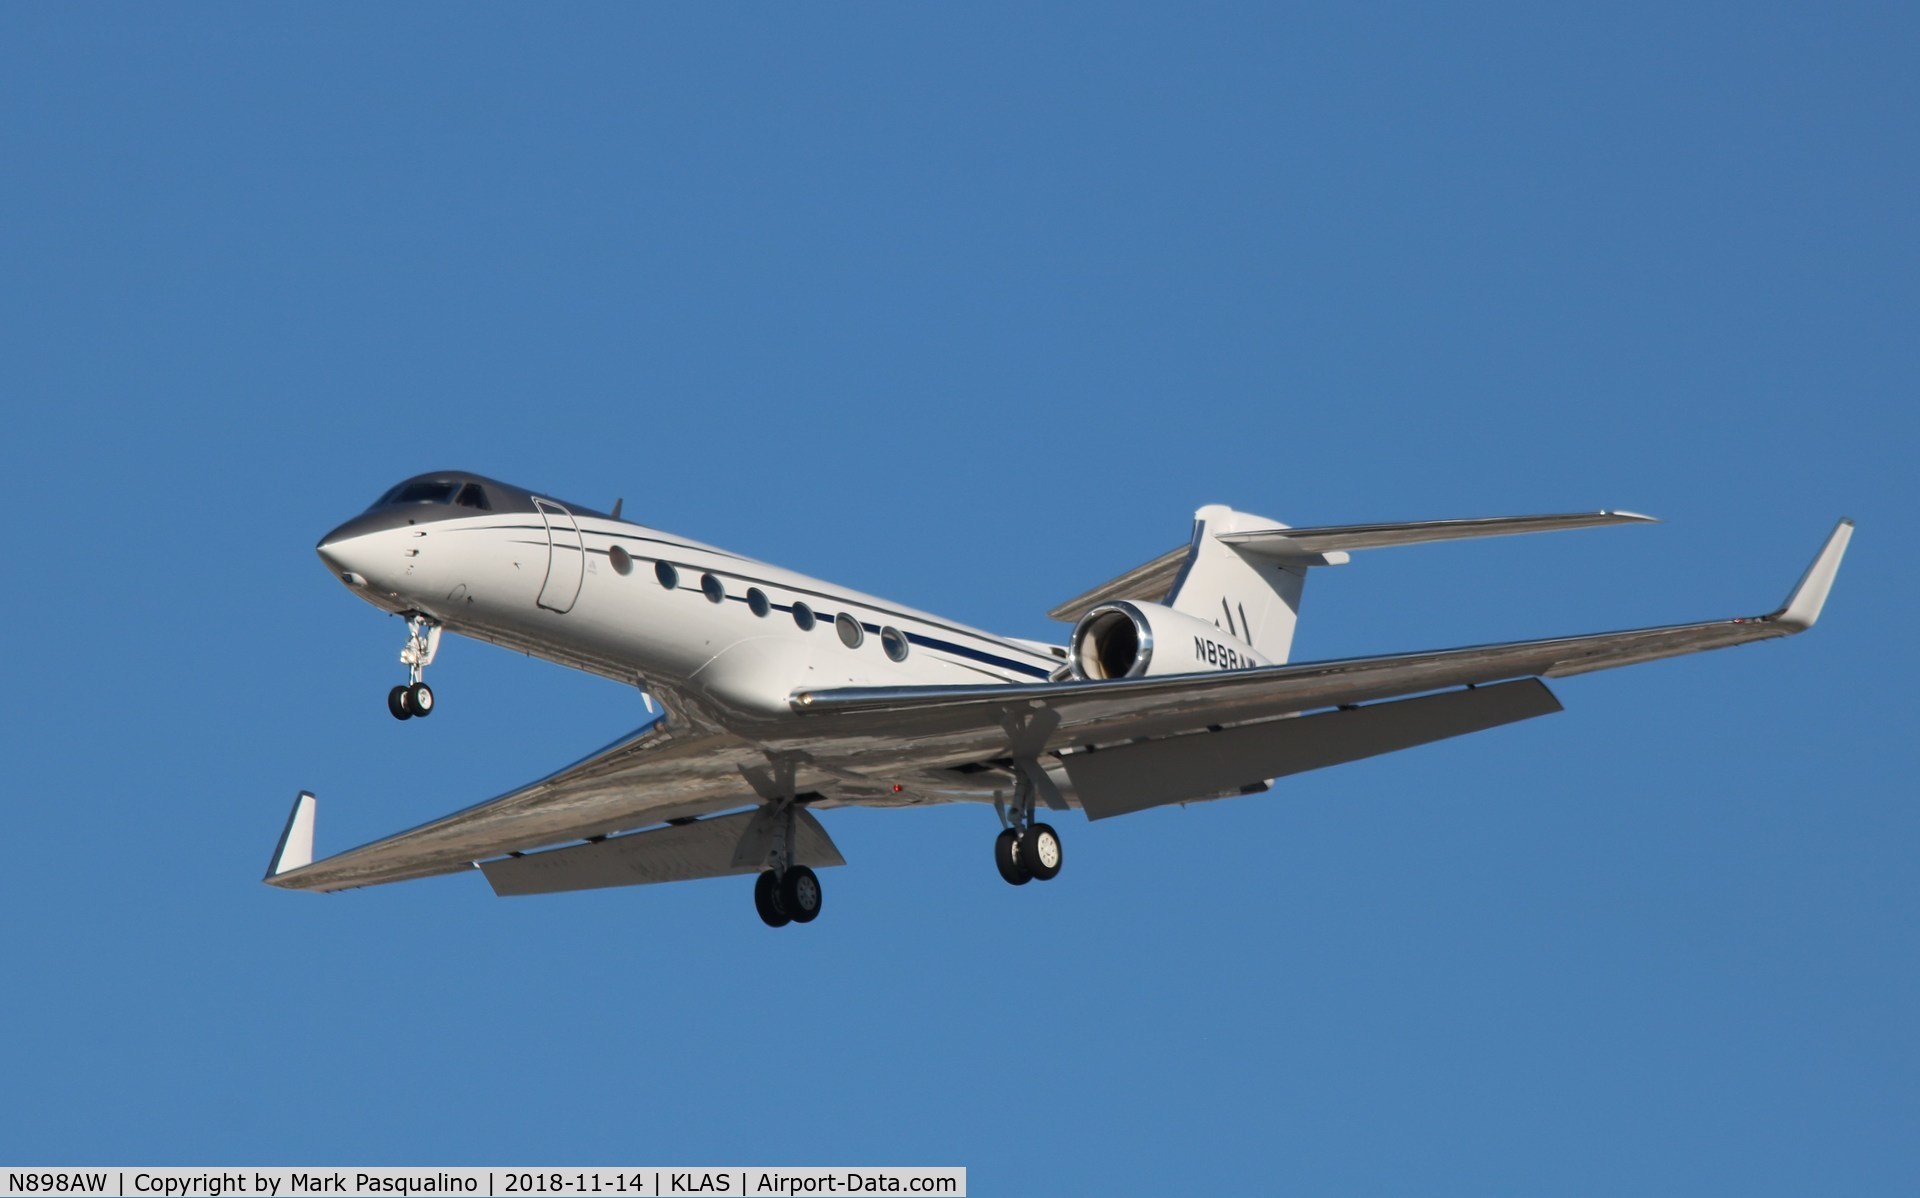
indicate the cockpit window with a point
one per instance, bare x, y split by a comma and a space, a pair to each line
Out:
472, 496
420, 491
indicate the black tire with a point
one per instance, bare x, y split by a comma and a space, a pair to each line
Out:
766, 900
420, 700
800, 894
1040, 852
1006, 858
397, 703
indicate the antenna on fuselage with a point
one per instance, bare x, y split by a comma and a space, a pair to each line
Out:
616, 506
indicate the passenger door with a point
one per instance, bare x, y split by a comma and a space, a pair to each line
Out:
566, 557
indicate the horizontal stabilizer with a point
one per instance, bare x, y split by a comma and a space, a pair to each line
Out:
701, 848
1326, 546
1305, 545
296, 839
1148, 582
1181, 769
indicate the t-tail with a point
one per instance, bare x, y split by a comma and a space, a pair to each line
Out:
1245, 573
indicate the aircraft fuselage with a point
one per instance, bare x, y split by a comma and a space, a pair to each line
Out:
725, 638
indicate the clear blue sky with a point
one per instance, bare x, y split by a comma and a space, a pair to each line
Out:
972, 305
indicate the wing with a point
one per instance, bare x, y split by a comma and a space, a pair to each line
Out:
985, 722
648, 777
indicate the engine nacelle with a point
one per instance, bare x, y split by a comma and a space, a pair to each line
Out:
1125, 639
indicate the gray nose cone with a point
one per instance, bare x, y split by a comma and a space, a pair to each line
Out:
340, 554
350, 549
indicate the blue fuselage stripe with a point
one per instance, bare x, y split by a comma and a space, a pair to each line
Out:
989, 658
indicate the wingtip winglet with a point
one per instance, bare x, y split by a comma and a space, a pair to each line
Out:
1802, 607
296, 839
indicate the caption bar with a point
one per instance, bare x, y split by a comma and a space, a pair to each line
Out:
119, 1182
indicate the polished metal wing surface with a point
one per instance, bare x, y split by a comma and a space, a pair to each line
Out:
648, 777
992, 721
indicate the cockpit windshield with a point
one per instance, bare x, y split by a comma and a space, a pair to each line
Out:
436, 491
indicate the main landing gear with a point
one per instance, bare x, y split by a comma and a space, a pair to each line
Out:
794, 898
1021, 858
786, 893
415, 697
1026, 850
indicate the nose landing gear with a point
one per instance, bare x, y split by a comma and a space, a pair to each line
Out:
415, 697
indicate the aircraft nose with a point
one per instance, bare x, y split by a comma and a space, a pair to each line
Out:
341, 556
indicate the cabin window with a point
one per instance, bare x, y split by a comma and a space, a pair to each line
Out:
621, 559
757, 601
668, 576
849, 630
803, 616
713, 588
894, 642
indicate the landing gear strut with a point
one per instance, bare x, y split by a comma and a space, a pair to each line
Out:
1026, 850
784, 892
415, 697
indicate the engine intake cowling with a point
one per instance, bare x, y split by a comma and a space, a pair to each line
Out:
1126, 639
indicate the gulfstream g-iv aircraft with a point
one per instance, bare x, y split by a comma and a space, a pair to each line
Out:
785, 696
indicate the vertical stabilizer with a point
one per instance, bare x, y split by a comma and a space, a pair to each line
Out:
1255, 599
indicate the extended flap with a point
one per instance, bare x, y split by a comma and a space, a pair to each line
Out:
702, 848
1181, 769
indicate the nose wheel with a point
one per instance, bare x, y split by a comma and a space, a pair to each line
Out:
415, 697
405, 702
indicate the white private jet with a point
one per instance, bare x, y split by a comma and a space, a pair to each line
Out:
785, 695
